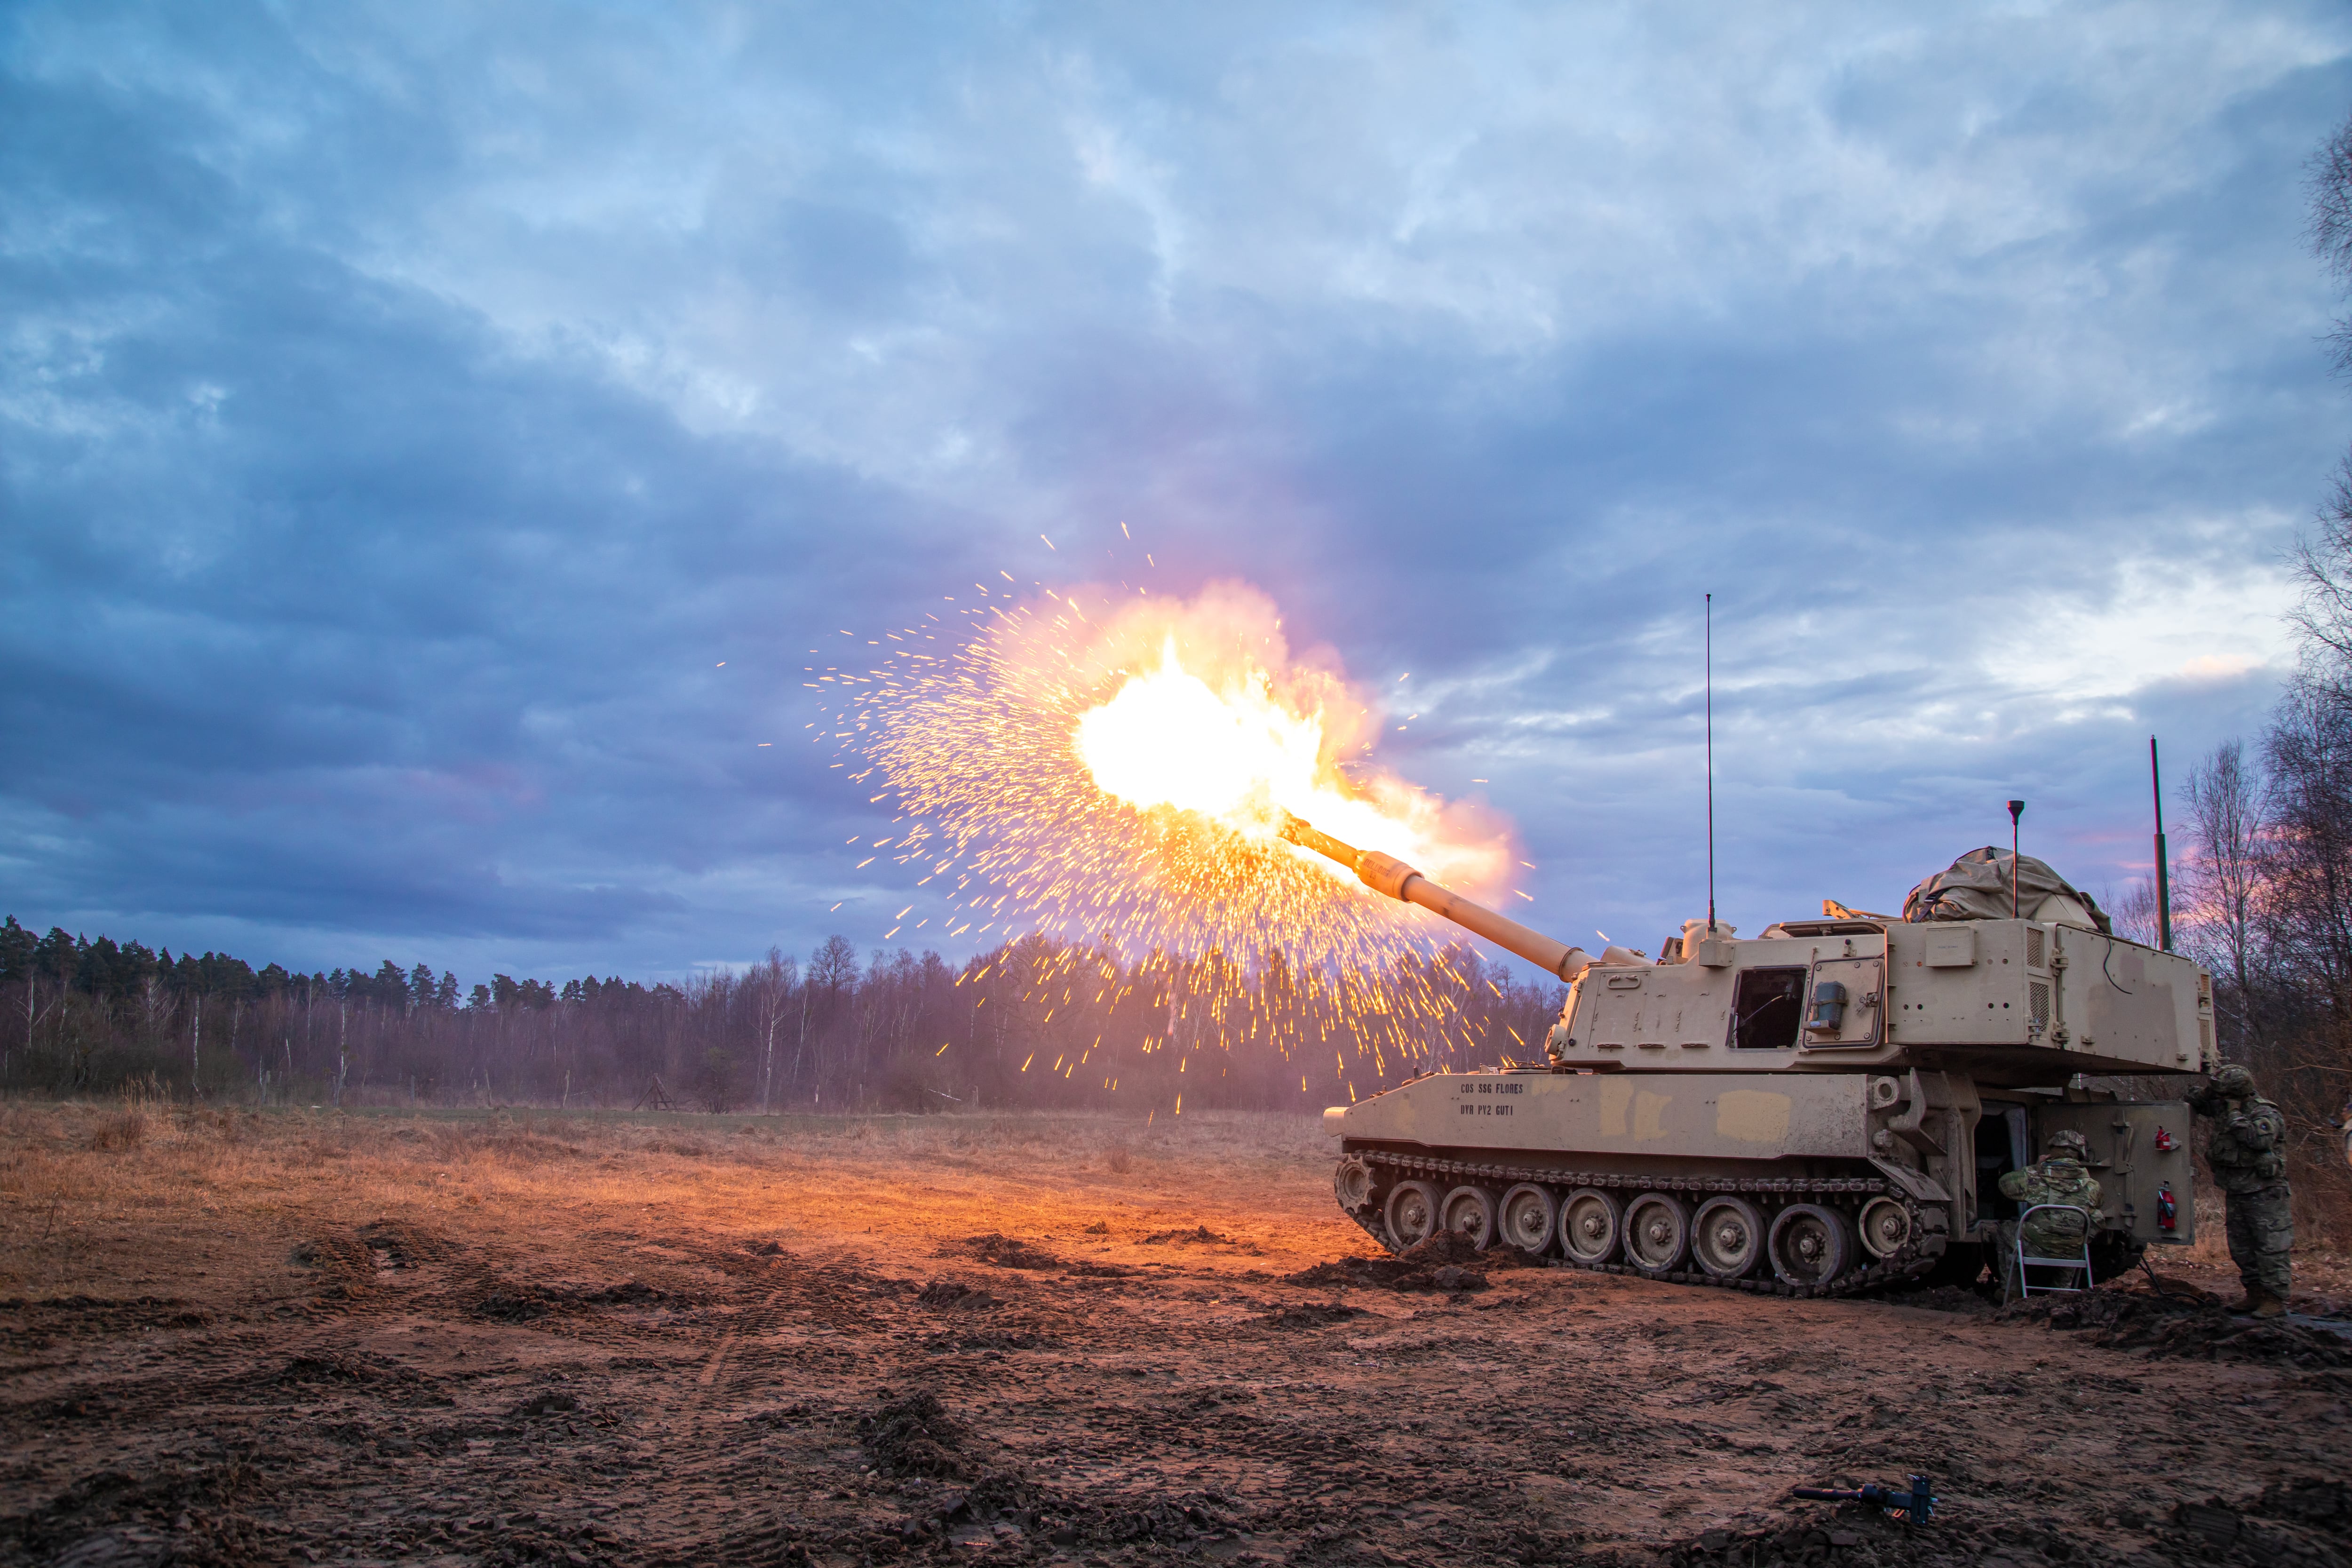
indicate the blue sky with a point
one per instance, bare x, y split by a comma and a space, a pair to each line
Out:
404, 409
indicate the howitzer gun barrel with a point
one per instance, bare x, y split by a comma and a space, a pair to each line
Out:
1387, 874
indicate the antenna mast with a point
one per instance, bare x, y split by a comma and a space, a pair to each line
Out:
1710, 765
2016, 810
2163, 873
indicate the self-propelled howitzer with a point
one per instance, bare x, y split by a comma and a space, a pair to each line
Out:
1821, 1107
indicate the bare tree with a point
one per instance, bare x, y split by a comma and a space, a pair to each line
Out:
832, 971
2225, 873
2309, 843
2323, 564
2331, 223
2134, 911
771, 982
2323, 567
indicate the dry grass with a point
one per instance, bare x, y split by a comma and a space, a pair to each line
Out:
82, 1185
84, 1188
122, 1130
203, 1306
2323, 1193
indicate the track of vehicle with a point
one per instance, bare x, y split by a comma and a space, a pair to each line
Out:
1908, 1263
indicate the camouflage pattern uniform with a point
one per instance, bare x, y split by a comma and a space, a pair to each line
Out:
2249, 1157
2060, 1178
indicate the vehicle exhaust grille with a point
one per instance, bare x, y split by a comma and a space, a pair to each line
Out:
2038, 999
2032, 948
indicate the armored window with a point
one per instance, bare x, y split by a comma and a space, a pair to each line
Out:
1766, 1006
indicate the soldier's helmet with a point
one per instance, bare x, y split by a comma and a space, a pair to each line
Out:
2234, 1081
2065, 1141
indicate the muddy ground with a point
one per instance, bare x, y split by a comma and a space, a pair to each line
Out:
302, 1337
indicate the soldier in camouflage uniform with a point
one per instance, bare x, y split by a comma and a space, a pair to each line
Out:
2060, 1178
2248, 1159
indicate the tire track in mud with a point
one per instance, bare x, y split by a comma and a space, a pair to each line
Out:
321, 1367
727, 1341
1155, 1415
777, 1476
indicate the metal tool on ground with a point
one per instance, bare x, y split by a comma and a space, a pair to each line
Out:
1912, 1507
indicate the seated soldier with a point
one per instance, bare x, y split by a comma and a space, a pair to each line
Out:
2060, 1178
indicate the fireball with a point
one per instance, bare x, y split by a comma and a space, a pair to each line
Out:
1115, 768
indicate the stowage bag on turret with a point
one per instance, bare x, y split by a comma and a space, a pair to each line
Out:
1975, 887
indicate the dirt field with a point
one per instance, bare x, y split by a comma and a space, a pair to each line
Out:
304, 1337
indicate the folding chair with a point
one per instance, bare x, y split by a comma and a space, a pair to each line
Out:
2024, 1284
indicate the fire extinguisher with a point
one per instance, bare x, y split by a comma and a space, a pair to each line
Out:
2167, 1212
2165, 1142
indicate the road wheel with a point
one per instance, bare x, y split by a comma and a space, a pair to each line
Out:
1657, 1233
1727, 1237
1412, 1212
1885, 1227
1591, 1224
1811, 1245
1528, 1218
1470, 1212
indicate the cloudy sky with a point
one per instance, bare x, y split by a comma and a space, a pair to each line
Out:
405, 409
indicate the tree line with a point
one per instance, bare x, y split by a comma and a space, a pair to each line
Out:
1033, 1022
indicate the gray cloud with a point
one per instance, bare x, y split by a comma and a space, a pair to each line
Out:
403, 413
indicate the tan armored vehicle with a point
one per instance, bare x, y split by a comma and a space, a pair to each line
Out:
1822, 1107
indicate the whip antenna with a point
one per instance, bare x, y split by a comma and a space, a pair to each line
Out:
1710, 765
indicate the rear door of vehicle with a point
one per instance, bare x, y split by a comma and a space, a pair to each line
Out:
2139, 1157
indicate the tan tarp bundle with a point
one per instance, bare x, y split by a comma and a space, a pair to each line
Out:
1976, 888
